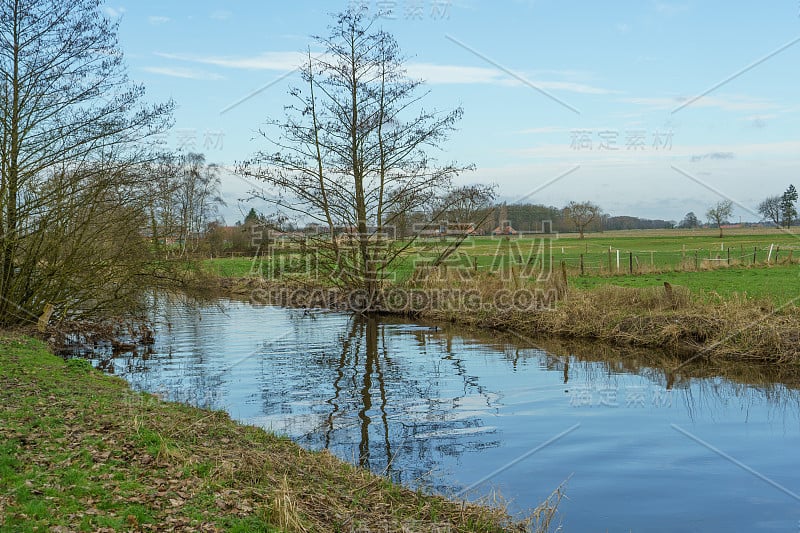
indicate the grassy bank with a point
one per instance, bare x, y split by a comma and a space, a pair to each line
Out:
688, 325
80, 451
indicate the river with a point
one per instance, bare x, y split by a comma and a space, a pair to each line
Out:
476, 416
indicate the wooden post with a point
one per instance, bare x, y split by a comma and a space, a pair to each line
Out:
729, 257
630, 262
755, 249
668, 291
582, 271
563, 283
696, 261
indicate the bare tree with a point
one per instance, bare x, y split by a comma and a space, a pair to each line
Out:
352, 152
197, 198
466, 203
581, 214
770, 209
185, 198
73, 128
720, 213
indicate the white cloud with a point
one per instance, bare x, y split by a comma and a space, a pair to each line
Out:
670, 8
186, 73
646, 186
679, 152
155, 20
456, 74
430, 72
724, 102
221, 14
114, 12
759, 116
267, 61
545, 129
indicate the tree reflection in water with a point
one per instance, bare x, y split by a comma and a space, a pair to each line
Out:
399, 419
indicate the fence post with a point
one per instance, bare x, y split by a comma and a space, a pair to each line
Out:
755, 249
630, 262
617, 260
729, 257
582, 271
696, 261
609, 260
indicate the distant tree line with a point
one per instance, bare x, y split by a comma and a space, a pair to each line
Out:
529, 217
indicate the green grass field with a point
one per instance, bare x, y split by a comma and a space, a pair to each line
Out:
699, 259
781, 284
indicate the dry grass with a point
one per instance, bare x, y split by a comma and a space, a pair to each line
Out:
733, 328
543, 518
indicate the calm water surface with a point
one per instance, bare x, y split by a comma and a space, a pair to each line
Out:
449, 412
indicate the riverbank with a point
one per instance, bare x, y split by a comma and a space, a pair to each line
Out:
687, 323
79, 450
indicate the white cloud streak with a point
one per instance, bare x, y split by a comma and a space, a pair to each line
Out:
186, 73
430, 72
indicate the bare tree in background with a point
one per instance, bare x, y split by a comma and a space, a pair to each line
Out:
466, 204
197, 199
771, 210
185, 200
73, 128
581, 214
720, 213
352, 152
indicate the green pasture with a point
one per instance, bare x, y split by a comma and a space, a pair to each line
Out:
740, 262
781, 284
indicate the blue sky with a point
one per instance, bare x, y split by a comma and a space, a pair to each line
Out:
563, 100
